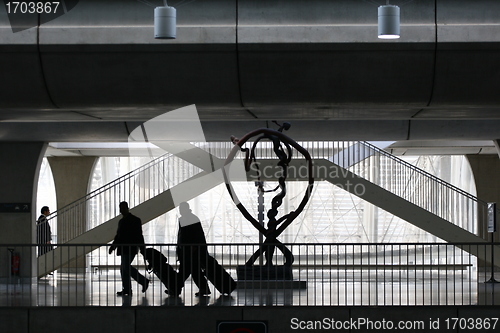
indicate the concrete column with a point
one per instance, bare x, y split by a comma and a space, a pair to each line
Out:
370, 212
486, 170
497, 144
20, 163
72, 178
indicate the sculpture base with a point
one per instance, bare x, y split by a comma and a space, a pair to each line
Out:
272, 272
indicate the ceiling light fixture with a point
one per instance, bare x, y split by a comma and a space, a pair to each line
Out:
165, 22
388, 22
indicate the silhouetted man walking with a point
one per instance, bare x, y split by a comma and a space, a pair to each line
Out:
127, 241
192, 249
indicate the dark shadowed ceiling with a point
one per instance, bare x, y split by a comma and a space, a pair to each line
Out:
96, 73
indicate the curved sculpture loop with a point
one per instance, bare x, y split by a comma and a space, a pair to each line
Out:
283, 148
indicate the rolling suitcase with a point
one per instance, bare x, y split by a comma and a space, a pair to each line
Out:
219, 277
157, 263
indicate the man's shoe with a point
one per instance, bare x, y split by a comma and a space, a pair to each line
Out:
145, 286
124, 293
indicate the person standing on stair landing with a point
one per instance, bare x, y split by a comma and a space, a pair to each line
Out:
127, 241
43, 233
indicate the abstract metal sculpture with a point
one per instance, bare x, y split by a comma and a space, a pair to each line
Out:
282, 147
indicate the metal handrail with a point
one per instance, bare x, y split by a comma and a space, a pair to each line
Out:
452, 204
332, 274
412, 180
119, 190
100, 189
422, 172
134, 187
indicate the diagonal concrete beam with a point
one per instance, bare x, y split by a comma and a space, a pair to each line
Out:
376, 195
147, 211
270, 172
408, 211
194, 155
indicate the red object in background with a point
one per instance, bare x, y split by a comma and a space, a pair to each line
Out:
15, 262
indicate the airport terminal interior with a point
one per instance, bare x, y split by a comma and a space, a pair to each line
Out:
341, 157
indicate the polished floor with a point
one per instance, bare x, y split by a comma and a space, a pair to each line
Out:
321, 288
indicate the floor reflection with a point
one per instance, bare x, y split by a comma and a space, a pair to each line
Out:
100, 290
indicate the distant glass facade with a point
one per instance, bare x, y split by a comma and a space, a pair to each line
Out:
46, 194
331, 216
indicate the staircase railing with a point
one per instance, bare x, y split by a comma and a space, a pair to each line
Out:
391, 173
418, 187
135, 187
363, 159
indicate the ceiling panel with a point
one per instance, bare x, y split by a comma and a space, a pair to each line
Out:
331, 113
460, 112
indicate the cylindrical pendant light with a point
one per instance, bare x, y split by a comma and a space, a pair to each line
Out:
388, 22
165, 22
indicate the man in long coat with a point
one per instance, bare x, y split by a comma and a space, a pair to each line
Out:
43, 232
128, 240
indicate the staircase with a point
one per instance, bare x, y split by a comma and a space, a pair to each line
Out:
411, 183
188, 171
398, 187
149, 190
414, 212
